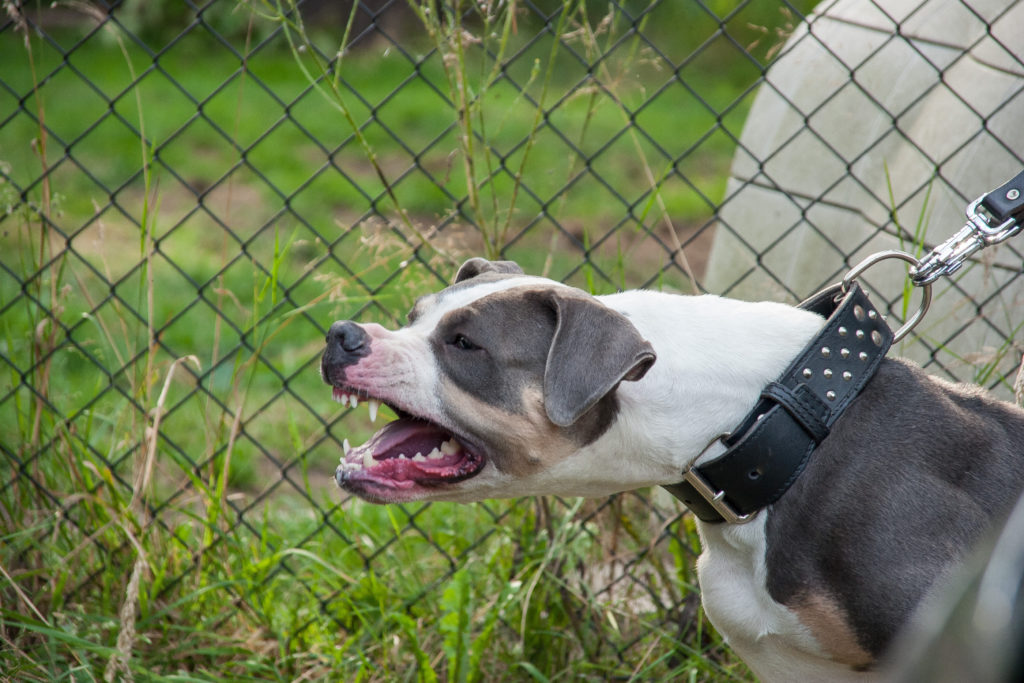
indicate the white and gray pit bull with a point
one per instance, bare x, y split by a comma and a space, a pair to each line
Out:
509, 385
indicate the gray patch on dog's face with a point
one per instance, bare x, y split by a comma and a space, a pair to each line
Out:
493, 352
495, 347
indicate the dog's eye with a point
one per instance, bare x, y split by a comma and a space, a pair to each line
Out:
460, 342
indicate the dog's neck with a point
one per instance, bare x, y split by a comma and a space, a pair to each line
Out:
709, 374
726, 350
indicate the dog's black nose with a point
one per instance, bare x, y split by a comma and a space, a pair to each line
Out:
348, 335
347, 342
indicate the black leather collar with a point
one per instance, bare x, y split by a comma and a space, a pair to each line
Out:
770, 447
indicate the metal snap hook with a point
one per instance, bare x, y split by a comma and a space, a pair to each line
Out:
926, 288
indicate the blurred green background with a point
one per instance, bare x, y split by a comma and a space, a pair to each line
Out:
217, 183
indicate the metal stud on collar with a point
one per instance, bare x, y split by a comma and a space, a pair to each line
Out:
926, 289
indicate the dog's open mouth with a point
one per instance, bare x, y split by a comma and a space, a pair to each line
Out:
407, 453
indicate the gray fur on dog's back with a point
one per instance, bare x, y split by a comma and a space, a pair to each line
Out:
912, 475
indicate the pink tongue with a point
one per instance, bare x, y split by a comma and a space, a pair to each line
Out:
407, 436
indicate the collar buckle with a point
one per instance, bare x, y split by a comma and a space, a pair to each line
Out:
715, 499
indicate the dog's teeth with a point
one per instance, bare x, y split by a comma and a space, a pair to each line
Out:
418, 458
346, 446
339, 396
403, 456
373, 404
435, 454
367, 460
450, 447
353, 401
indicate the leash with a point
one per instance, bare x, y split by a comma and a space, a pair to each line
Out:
771, 446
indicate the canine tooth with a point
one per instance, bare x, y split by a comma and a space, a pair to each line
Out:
346, 446
435, 454
418, 458
450, 447
373, 404
367, 460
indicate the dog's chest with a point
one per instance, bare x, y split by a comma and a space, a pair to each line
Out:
764, 633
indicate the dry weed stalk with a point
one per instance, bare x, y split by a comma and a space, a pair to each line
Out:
136, 508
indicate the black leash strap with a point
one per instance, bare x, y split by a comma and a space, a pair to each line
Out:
1006, 202
770, 448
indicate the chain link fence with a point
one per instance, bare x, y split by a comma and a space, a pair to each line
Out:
192, 192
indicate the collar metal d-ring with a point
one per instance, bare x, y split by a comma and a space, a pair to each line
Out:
926, 288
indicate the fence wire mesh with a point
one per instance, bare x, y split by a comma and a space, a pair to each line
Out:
192, 192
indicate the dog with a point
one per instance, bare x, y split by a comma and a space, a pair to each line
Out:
509, 385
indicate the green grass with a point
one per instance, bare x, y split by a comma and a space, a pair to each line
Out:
250, 220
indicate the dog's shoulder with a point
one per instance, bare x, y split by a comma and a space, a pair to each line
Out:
911, 476
940, 425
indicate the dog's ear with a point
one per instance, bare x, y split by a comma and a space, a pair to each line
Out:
593, 349
479, 266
